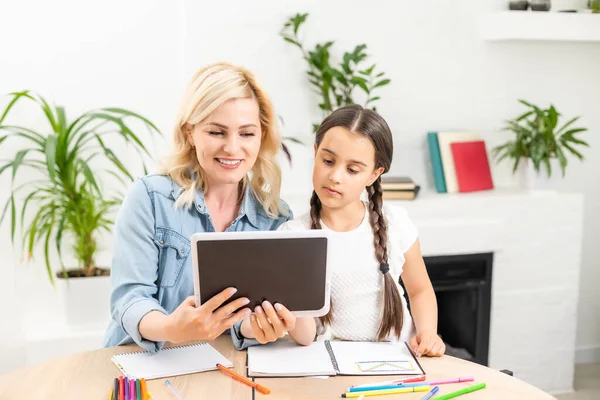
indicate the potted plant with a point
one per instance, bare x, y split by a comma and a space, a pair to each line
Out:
538, 141
335, 84
68, 204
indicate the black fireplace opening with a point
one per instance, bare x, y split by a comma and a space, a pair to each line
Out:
462, 285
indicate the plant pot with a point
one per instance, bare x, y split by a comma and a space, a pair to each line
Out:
568, 5
529, 179
540, 5
518, 5
86, 300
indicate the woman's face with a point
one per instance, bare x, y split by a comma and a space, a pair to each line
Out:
227, 142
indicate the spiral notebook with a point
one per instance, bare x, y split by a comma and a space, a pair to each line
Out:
170, 361
286, 358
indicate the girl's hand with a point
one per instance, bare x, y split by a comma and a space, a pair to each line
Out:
268, 323
427, 344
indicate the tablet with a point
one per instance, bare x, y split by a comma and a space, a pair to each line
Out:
287, 267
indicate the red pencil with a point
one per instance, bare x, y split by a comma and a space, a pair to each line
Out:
121, 389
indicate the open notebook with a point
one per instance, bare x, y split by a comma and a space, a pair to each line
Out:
286, 358
170, 361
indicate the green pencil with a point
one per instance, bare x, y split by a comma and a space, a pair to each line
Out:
138, 390
461, 392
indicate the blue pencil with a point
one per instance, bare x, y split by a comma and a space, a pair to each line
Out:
365, 388
431, 393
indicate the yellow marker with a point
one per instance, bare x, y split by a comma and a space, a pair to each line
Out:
400, 390
110, 394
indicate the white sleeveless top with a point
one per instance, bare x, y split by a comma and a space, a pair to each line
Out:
356, 282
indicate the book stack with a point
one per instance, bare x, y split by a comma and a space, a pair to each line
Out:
459, 162
399, 188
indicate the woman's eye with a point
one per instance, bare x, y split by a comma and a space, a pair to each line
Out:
352, 171
328, 162
216, 133
247, 134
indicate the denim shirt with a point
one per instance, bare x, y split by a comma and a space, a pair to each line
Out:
152, 265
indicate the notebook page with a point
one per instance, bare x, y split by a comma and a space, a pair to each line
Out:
170, 361
287, 358
374, 358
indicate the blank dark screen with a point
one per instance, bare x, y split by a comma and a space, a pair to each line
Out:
287, 271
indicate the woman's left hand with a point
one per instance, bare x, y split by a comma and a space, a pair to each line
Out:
427, 344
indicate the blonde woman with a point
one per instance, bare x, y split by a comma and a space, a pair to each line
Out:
220, 176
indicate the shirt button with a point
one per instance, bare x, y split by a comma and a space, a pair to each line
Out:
162, 242
181, 251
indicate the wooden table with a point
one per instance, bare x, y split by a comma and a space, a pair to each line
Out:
90, 376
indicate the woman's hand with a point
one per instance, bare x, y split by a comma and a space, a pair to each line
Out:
268, 323
189, 322
427, 344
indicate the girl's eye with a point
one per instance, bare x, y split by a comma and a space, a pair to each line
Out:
247, 134
328, 162
216, 133
352, 171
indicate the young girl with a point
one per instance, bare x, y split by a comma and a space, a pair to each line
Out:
373, 246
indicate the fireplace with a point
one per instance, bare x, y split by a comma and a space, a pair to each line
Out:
462, 285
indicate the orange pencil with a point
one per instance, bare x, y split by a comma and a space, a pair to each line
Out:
242, 379
144, 395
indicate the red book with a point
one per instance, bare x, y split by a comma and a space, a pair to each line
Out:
472, 166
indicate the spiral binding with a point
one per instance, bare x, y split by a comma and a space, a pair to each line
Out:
332, 356
124, 371
166, 349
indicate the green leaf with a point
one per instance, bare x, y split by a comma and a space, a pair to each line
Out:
51, 156
562, 160
134, 115
553, 117
382, 83
362, 83
292, 41
4, 210
379, 74
565, 126
47, 256
548, 167
89, 176
573, 151
17, 162
13, 218
372, 99
16, 97
292, 139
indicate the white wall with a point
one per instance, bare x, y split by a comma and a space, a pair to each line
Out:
138, 54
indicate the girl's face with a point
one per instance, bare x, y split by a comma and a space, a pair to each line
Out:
228, 141
344, 166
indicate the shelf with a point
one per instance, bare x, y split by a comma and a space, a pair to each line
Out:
546, 26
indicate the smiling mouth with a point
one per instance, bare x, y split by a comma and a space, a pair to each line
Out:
228, 162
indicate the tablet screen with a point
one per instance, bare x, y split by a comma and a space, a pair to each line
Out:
290, 271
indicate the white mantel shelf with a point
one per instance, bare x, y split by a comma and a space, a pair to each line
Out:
538, 25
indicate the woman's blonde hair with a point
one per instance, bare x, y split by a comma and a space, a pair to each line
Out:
210, 87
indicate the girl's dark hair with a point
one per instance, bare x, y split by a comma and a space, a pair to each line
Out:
370, 124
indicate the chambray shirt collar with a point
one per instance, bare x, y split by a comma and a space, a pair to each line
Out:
248, 207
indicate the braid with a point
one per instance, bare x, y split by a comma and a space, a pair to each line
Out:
315, 223
315, 211
392, 318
